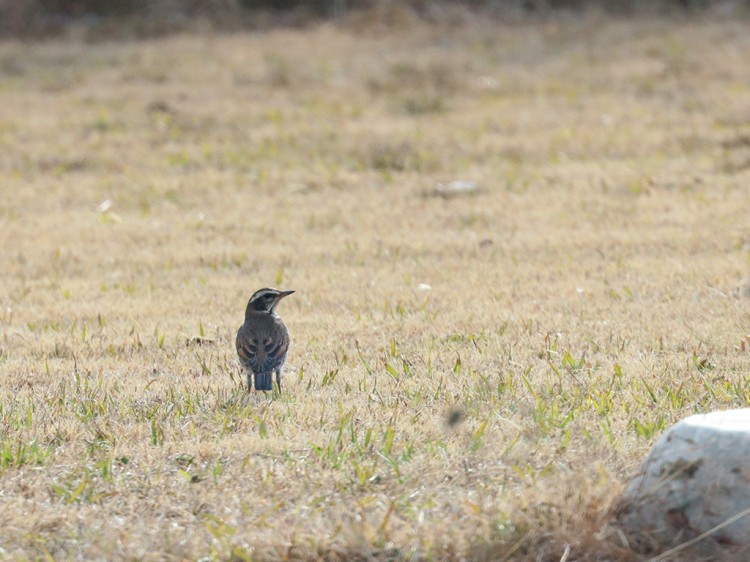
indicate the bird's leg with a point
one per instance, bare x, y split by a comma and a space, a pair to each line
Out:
278, 378
249, 377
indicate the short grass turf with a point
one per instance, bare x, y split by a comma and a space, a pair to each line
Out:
474, 373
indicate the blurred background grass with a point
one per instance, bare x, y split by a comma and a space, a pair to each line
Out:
102, 18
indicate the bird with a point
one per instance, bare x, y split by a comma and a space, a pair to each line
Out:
262, 340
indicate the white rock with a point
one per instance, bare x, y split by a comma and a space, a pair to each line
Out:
695, 481
454, 188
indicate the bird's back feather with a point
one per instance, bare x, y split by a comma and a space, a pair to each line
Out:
262, 344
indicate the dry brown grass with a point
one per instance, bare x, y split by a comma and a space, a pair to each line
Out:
591, 292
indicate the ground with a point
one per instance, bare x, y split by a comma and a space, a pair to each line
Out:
474, 373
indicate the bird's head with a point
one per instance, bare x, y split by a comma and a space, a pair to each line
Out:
265, 300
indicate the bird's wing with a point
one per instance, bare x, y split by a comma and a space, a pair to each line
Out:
251, 356
275, 349
262, 356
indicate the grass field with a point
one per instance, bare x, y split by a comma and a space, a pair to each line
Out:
473, 374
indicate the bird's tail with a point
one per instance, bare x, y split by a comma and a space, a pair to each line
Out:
264, 381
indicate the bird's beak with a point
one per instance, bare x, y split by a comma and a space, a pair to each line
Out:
283, 294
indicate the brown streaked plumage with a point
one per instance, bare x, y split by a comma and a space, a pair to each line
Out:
263, 341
